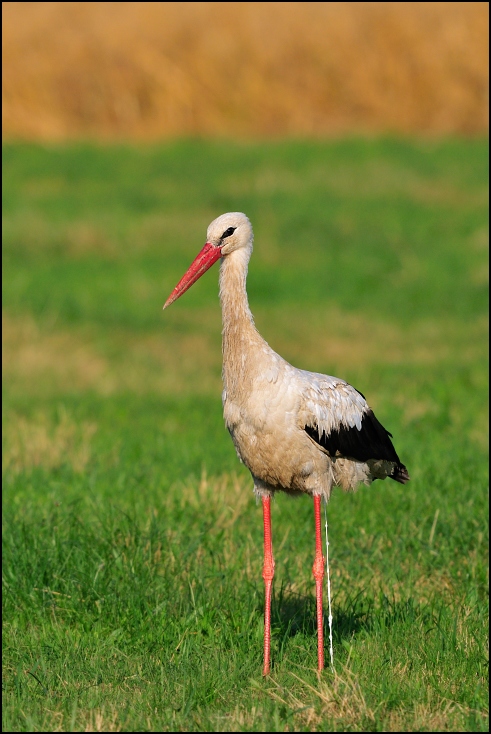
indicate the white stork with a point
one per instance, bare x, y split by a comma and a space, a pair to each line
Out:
296, 431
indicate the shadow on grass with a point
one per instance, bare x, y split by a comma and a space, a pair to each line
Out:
294, 613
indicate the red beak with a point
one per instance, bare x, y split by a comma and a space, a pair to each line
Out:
204, 260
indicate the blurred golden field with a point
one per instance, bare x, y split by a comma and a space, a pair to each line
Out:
151, 70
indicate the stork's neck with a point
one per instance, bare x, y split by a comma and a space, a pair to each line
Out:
240, 338
236, 314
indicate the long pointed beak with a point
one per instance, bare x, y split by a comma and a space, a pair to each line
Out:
201, 263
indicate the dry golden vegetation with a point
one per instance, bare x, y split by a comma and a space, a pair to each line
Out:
343, 698
42, 442
150, 70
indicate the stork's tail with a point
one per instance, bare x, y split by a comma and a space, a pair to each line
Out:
400, 474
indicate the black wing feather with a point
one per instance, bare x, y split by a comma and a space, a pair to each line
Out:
372, 441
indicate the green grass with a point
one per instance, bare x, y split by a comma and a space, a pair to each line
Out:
132, 596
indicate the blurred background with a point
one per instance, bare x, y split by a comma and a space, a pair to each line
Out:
158, 70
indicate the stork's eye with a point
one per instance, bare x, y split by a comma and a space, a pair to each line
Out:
228, 232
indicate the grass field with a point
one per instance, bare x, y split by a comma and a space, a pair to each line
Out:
132, 589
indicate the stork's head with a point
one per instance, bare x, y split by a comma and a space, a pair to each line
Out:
228, 233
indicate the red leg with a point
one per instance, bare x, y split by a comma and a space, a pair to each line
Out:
318, 571
268, 573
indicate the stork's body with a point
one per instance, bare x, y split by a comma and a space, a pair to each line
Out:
296, 431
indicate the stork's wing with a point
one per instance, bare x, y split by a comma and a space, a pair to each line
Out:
338, 418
